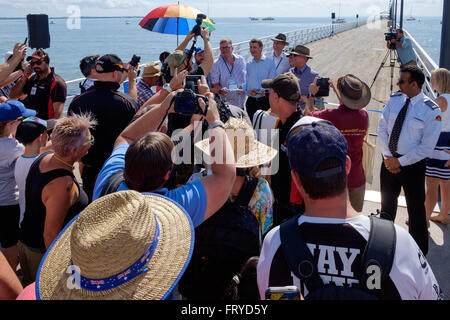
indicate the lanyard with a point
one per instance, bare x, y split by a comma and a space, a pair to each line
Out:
226, 65
281, 59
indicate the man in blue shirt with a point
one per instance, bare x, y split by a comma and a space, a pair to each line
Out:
145, 157
259, 69
403, 45
299, 57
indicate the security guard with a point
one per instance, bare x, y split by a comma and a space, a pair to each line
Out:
407, 133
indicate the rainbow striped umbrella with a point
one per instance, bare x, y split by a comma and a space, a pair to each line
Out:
173, 19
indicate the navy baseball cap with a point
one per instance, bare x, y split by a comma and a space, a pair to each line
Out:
312, 140
29, 129
109, 63
12, 109
199, 50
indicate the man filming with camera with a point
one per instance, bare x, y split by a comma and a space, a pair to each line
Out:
403, 45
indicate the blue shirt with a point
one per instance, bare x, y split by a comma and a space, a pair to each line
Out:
305, 76
420, 130
192, 196
257, 72
406, 53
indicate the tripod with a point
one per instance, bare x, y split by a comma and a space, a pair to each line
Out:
392, 55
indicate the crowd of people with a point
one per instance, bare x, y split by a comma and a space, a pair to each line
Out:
181, 151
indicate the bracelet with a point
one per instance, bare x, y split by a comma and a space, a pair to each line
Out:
216, 124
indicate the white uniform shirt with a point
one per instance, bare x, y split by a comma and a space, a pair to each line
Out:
420, 130
281, 63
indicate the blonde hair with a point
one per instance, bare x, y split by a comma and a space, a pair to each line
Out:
70, 132
227, 41
441, 77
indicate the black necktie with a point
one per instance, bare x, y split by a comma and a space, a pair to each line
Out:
397, 129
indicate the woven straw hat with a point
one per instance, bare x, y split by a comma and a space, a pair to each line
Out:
111, 235
248, 152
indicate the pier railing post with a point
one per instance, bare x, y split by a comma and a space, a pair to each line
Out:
445, 37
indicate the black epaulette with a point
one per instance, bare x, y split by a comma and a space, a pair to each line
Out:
433, 105
397, 94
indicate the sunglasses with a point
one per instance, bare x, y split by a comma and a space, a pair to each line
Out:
121, 68
90, 141
401, 81
223, 48
32, 63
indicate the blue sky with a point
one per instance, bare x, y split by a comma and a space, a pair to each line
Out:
223, 8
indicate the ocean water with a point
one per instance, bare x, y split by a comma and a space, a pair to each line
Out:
114, 35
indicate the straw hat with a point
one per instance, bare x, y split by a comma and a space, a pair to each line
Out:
248, 152
355, 94
117, 249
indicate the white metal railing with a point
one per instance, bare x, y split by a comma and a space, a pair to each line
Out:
426, 63
296, 37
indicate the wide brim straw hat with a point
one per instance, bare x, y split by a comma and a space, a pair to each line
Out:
110, 235
248, 151
354, 93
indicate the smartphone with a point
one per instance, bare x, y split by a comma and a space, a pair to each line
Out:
283, 293
25, 42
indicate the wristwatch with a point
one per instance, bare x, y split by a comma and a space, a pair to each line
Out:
216, 124
167, 87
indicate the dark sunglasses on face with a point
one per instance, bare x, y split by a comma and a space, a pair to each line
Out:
32, 63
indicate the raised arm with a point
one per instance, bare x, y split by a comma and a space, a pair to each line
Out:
209, 59
19, 52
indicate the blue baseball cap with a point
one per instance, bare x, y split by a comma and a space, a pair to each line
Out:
12, 109
199, 50
312, 140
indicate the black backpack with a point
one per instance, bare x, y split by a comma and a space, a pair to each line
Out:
223, 243
379, 252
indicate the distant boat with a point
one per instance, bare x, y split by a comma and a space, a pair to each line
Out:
127, 22
268, 19
340, 20
411, 18
52, 22
253, 18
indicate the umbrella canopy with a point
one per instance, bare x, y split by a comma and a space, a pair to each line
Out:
173, 19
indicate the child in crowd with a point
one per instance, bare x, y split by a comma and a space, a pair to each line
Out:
32, 133
11, 114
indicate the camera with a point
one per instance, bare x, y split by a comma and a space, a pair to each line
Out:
199, 20
390, 35
186, 103
191, 82
324, 87
135, 60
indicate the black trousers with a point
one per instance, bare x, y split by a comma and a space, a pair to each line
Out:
412, 179
254, 104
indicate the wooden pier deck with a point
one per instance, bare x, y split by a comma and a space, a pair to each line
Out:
360, 52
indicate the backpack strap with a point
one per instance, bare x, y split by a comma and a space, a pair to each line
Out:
379, 251
113, 183
298, 256
247, 191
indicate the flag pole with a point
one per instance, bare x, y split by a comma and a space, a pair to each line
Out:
178, 19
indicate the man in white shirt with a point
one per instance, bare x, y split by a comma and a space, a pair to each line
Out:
407, 134
280, 59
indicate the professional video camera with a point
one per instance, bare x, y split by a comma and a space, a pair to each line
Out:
186, 102
389, 36
199, 20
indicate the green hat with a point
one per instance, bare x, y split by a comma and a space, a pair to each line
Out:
175, 60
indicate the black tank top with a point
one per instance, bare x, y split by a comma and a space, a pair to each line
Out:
32, 227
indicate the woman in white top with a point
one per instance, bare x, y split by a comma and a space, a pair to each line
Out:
437, 173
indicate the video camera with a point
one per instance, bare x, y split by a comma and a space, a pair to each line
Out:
388, 36
199, 20
324, 87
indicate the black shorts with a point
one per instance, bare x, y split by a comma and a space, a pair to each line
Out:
9, 225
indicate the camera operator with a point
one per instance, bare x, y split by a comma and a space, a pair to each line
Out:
403, 45
353, 121
183, 64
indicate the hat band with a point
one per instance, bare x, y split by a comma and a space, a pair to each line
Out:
122, 277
